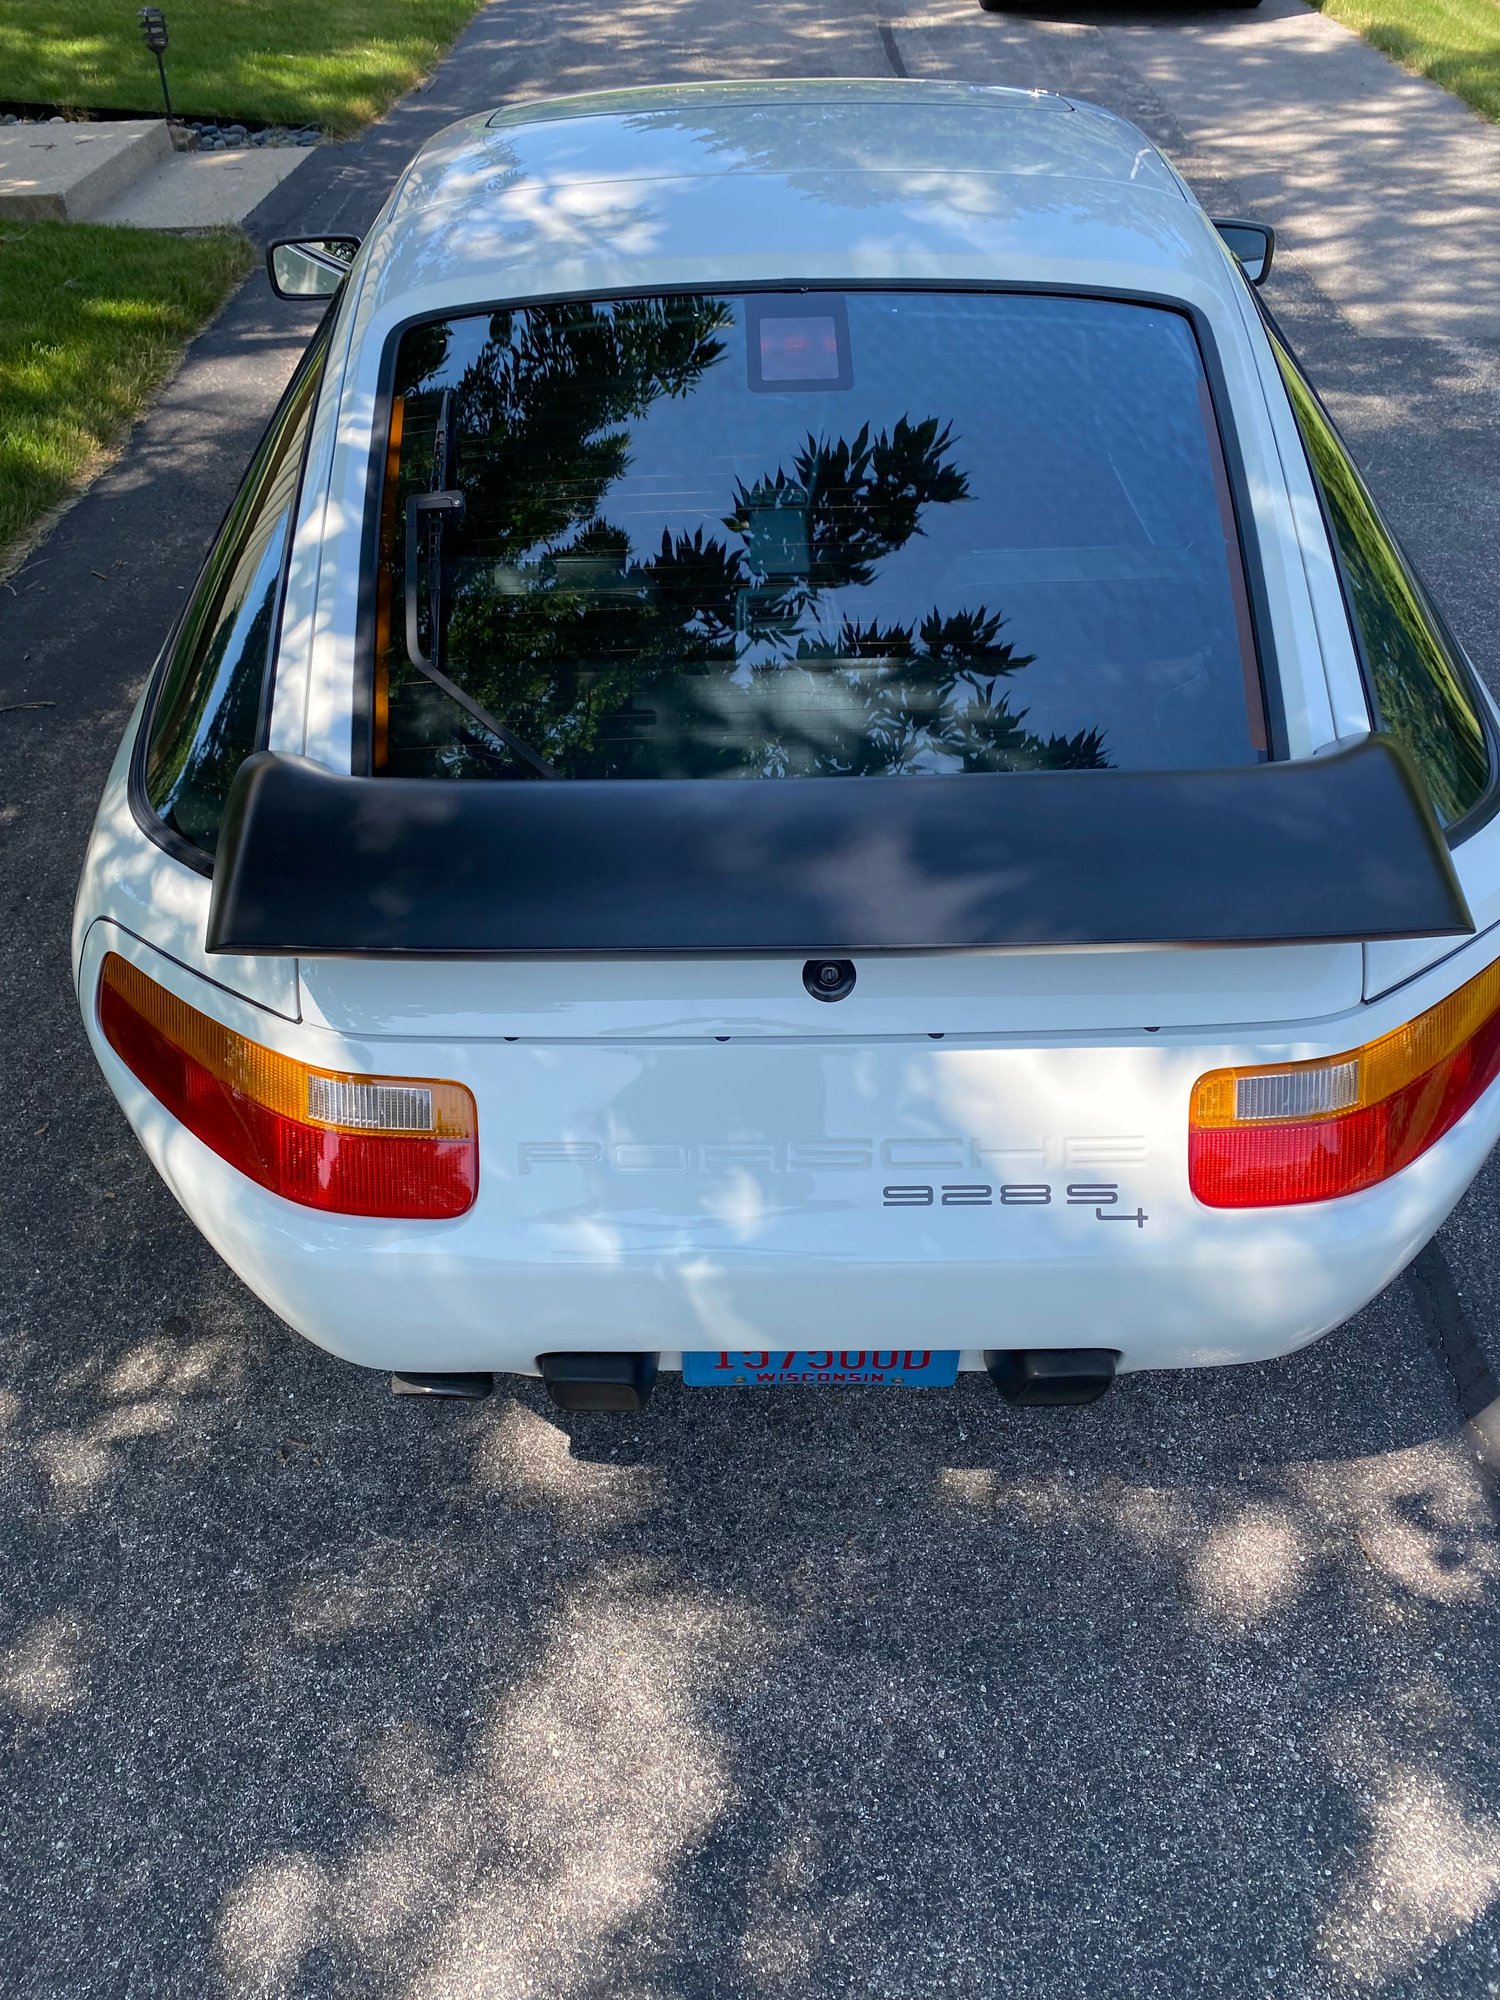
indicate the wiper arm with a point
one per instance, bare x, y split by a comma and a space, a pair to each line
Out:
438, 508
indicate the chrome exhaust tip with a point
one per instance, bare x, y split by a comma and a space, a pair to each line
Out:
466, 1388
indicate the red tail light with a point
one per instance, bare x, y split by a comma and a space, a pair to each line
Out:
1261, 1138
357, 1145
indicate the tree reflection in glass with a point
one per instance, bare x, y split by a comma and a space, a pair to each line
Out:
598, 604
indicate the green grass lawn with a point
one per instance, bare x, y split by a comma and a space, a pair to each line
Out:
1455, 42
331, 63
91, 320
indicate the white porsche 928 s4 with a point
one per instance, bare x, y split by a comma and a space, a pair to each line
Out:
802, 730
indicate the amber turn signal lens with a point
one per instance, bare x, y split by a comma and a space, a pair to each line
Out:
1295, 1132
395, 1146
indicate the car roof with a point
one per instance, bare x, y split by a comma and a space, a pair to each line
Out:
713, 184
855, 124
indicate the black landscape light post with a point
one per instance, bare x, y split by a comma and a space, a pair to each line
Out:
154, 35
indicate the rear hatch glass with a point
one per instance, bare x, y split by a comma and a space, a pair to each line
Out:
818, 533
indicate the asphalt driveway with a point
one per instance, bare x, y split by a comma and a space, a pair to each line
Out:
309, 1691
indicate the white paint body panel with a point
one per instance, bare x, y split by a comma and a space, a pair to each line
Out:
691, 1154
671, 1194
969, 993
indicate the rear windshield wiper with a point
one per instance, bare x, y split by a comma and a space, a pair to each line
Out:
443, 504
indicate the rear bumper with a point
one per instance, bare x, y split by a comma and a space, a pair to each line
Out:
604, 1233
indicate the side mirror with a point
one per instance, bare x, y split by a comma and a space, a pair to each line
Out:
310, 267
1253, 243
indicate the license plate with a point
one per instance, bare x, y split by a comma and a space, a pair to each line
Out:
817, 1368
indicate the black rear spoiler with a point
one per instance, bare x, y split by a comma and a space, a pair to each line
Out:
1342, 846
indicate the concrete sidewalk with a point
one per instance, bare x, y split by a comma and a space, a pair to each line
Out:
58, 172
126, 172
204, 190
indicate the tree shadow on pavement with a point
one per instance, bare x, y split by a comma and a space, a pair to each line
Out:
312, 1690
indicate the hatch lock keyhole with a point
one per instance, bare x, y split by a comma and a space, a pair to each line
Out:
828, 978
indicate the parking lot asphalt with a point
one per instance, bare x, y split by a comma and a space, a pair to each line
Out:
309, 1691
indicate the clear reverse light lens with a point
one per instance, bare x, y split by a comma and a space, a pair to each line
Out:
1298, 1093
373, 1107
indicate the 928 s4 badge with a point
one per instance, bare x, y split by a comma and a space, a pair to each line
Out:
1103, 1197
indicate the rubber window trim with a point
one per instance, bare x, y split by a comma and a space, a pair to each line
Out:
1487, 804
314, 357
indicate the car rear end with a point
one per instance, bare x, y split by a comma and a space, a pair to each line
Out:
567, 1101
719, 1174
